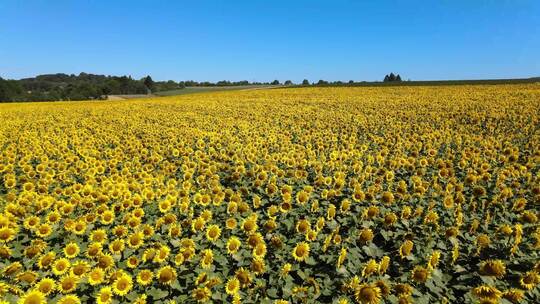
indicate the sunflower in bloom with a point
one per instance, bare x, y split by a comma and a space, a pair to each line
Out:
166, 275
301, 251
46, 286
96, 276
33, 297
201, 294
487, 292
368, 294
232, 286
61, 266
207, 258
104, 296
529, 280
420, 274
69, 299
68, 283
122, 285
213, 232
406, 248
233, 244
494, 268
71, 250
144, 277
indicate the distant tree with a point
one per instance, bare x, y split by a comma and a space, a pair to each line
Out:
288, 82
398, 78
149, 83
392, 77
275, 82
322, 82
351, 81
386, 78
305, 82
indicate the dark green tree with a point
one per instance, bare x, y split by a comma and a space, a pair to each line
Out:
149, 83
305, 82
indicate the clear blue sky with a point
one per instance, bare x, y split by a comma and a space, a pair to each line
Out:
266, 40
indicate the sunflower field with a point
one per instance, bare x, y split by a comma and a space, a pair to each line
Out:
297, 195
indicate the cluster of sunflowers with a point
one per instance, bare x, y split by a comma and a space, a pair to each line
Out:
305, 195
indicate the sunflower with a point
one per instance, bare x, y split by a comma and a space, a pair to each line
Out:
258, 266
250, 225
513, 295
105, 261
383, 286
434, 259
493, 268
387, 197
213, 232
71, 250
303, 226
69, 299
302, 197
201, 294
94, 250
529, 280
145, 277
96, 276
207, 258
301, 251
61, 266
233, 244
403, 290
365, 236
107, 217
406, 248
166, 275
46, 286
117, 246
68, 283
230, 223
244, 276
232, 286
420, 274
370, 268
98, 235
342, 257
7, 234
384, 264
132, 262
44, 230
136, 240
33, 297
80, 268
122, 285
46, 260
285, 269
104, 296
487, 292
368, 294
259, 251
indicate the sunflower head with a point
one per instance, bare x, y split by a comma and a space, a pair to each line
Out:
420, 274
368, 294
301, 251
493, 268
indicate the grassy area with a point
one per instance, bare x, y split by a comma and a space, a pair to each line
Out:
191, 90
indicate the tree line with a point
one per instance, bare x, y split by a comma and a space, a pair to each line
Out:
84, 86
